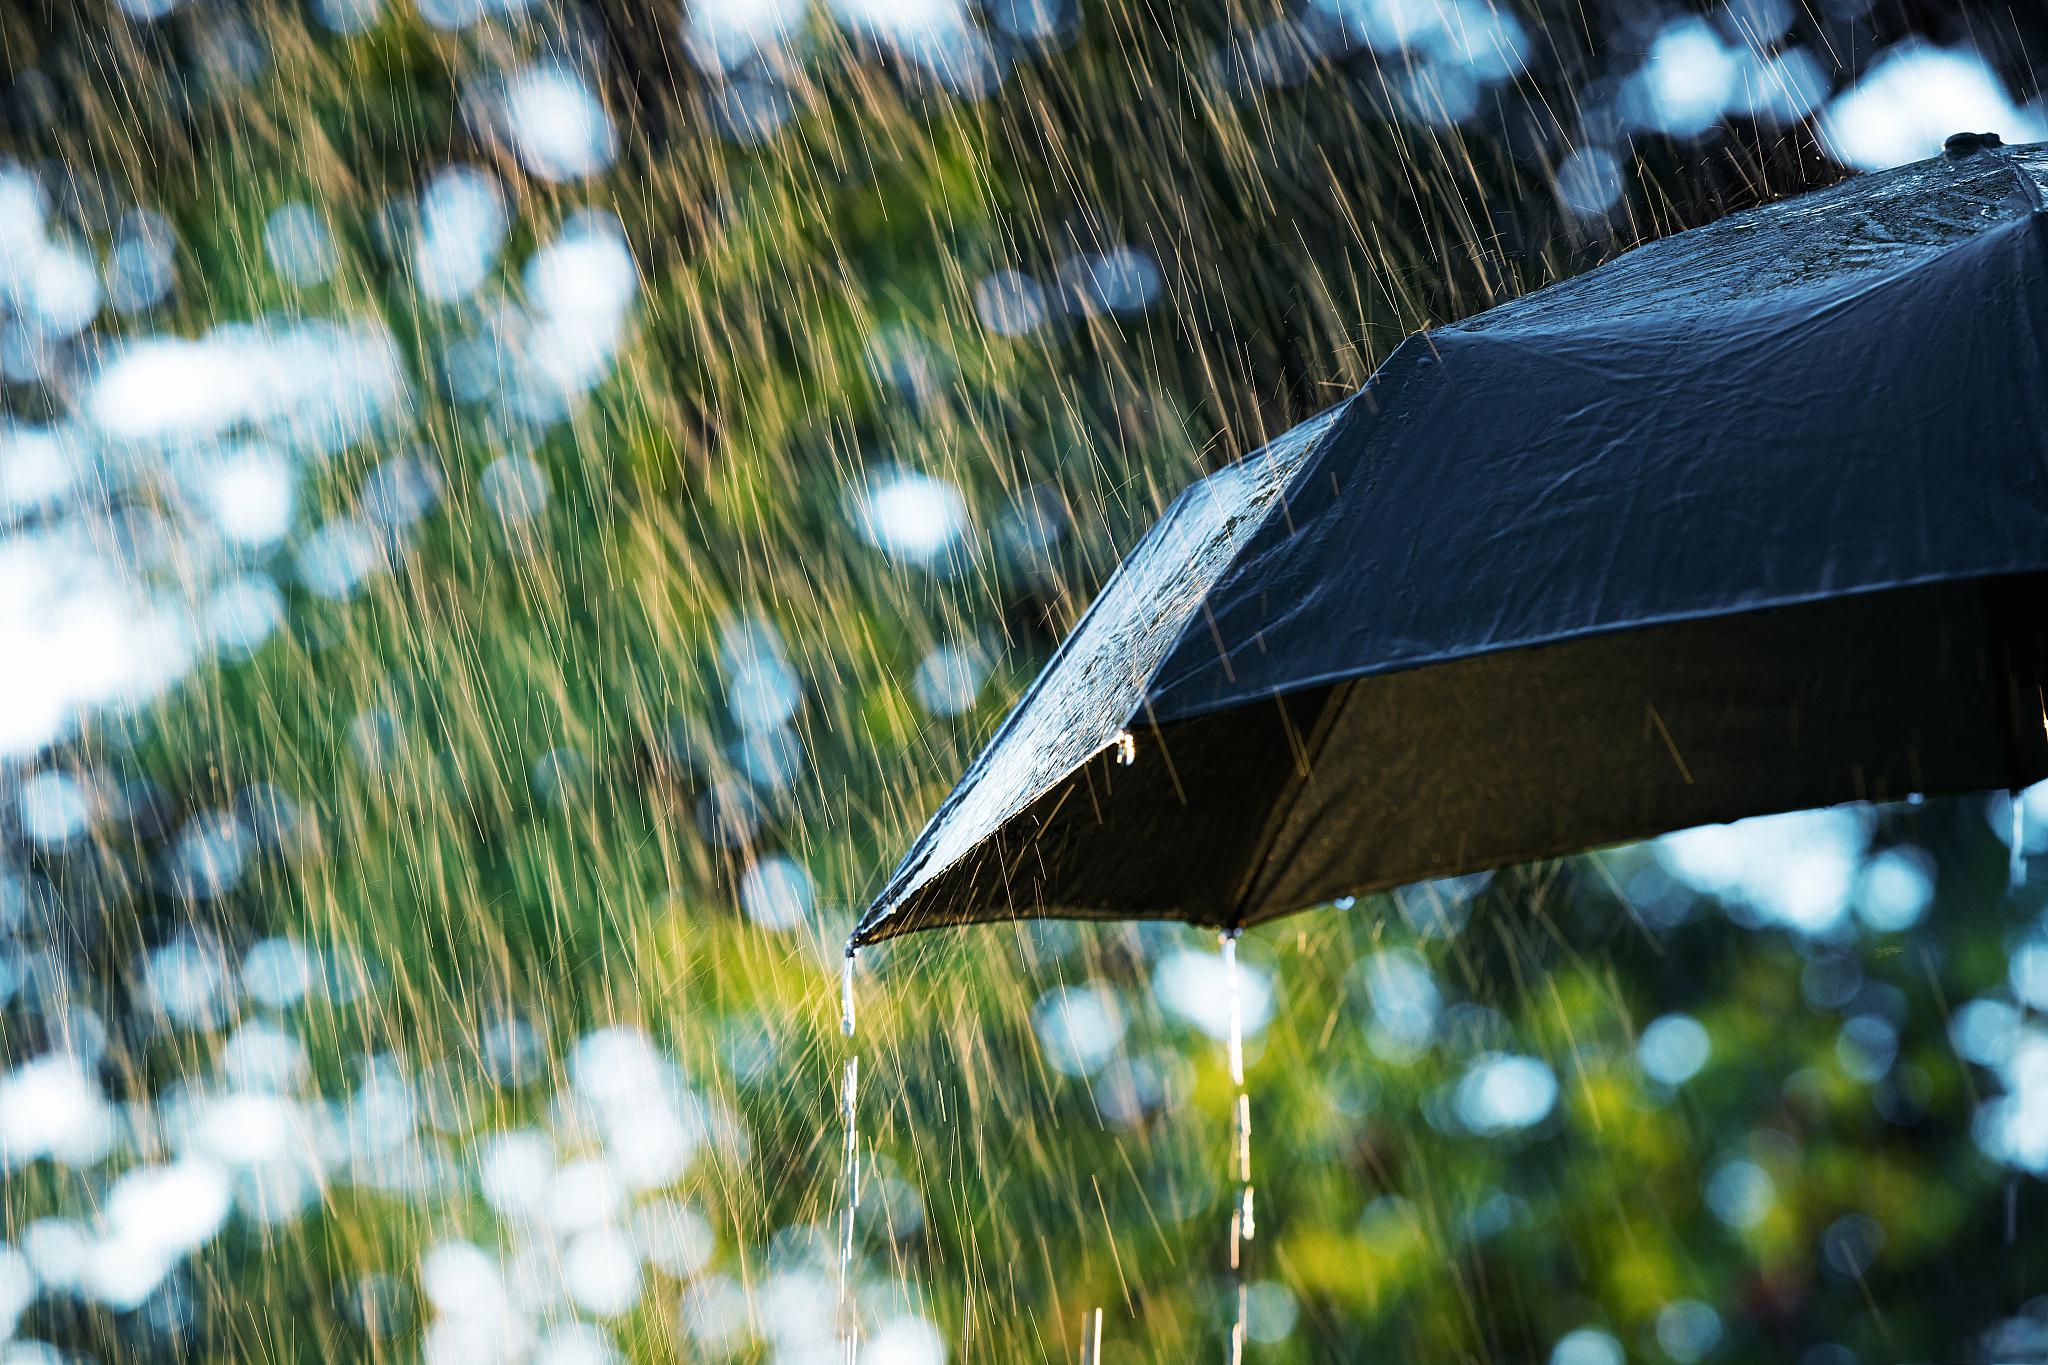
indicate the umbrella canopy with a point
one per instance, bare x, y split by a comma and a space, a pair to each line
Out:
1750, 519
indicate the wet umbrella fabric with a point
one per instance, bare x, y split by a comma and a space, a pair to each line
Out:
1750, 519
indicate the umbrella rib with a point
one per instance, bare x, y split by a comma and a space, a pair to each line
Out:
2008, 707
1283, 810
1670, 744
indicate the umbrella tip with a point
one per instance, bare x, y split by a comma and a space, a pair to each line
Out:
1960, 145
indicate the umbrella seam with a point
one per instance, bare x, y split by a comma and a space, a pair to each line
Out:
2008, 710
902, 883
2029, 188
1433, 660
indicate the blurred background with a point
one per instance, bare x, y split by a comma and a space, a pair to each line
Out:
512, 512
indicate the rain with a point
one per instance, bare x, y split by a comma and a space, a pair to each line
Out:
514, 513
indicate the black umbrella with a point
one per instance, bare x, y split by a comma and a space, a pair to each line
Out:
1750, 519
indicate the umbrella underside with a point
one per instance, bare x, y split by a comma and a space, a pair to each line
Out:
1232, 819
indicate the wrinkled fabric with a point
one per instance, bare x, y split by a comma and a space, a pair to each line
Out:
1832, 399
1844, 393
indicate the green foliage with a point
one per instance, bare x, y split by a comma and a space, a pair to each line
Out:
524, 793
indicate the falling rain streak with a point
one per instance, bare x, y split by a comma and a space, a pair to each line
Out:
511, 509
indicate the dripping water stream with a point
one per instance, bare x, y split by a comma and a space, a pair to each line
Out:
2015, 878
849, 1083
846, 992
1242, 1224
2016, 871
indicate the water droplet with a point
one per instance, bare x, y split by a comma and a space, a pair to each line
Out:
846, 992
1243, 1223
1244, 1137
1236, 1013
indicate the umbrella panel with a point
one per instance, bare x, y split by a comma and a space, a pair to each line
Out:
1241, 816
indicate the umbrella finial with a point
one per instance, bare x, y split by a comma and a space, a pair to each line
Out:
1960, 145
